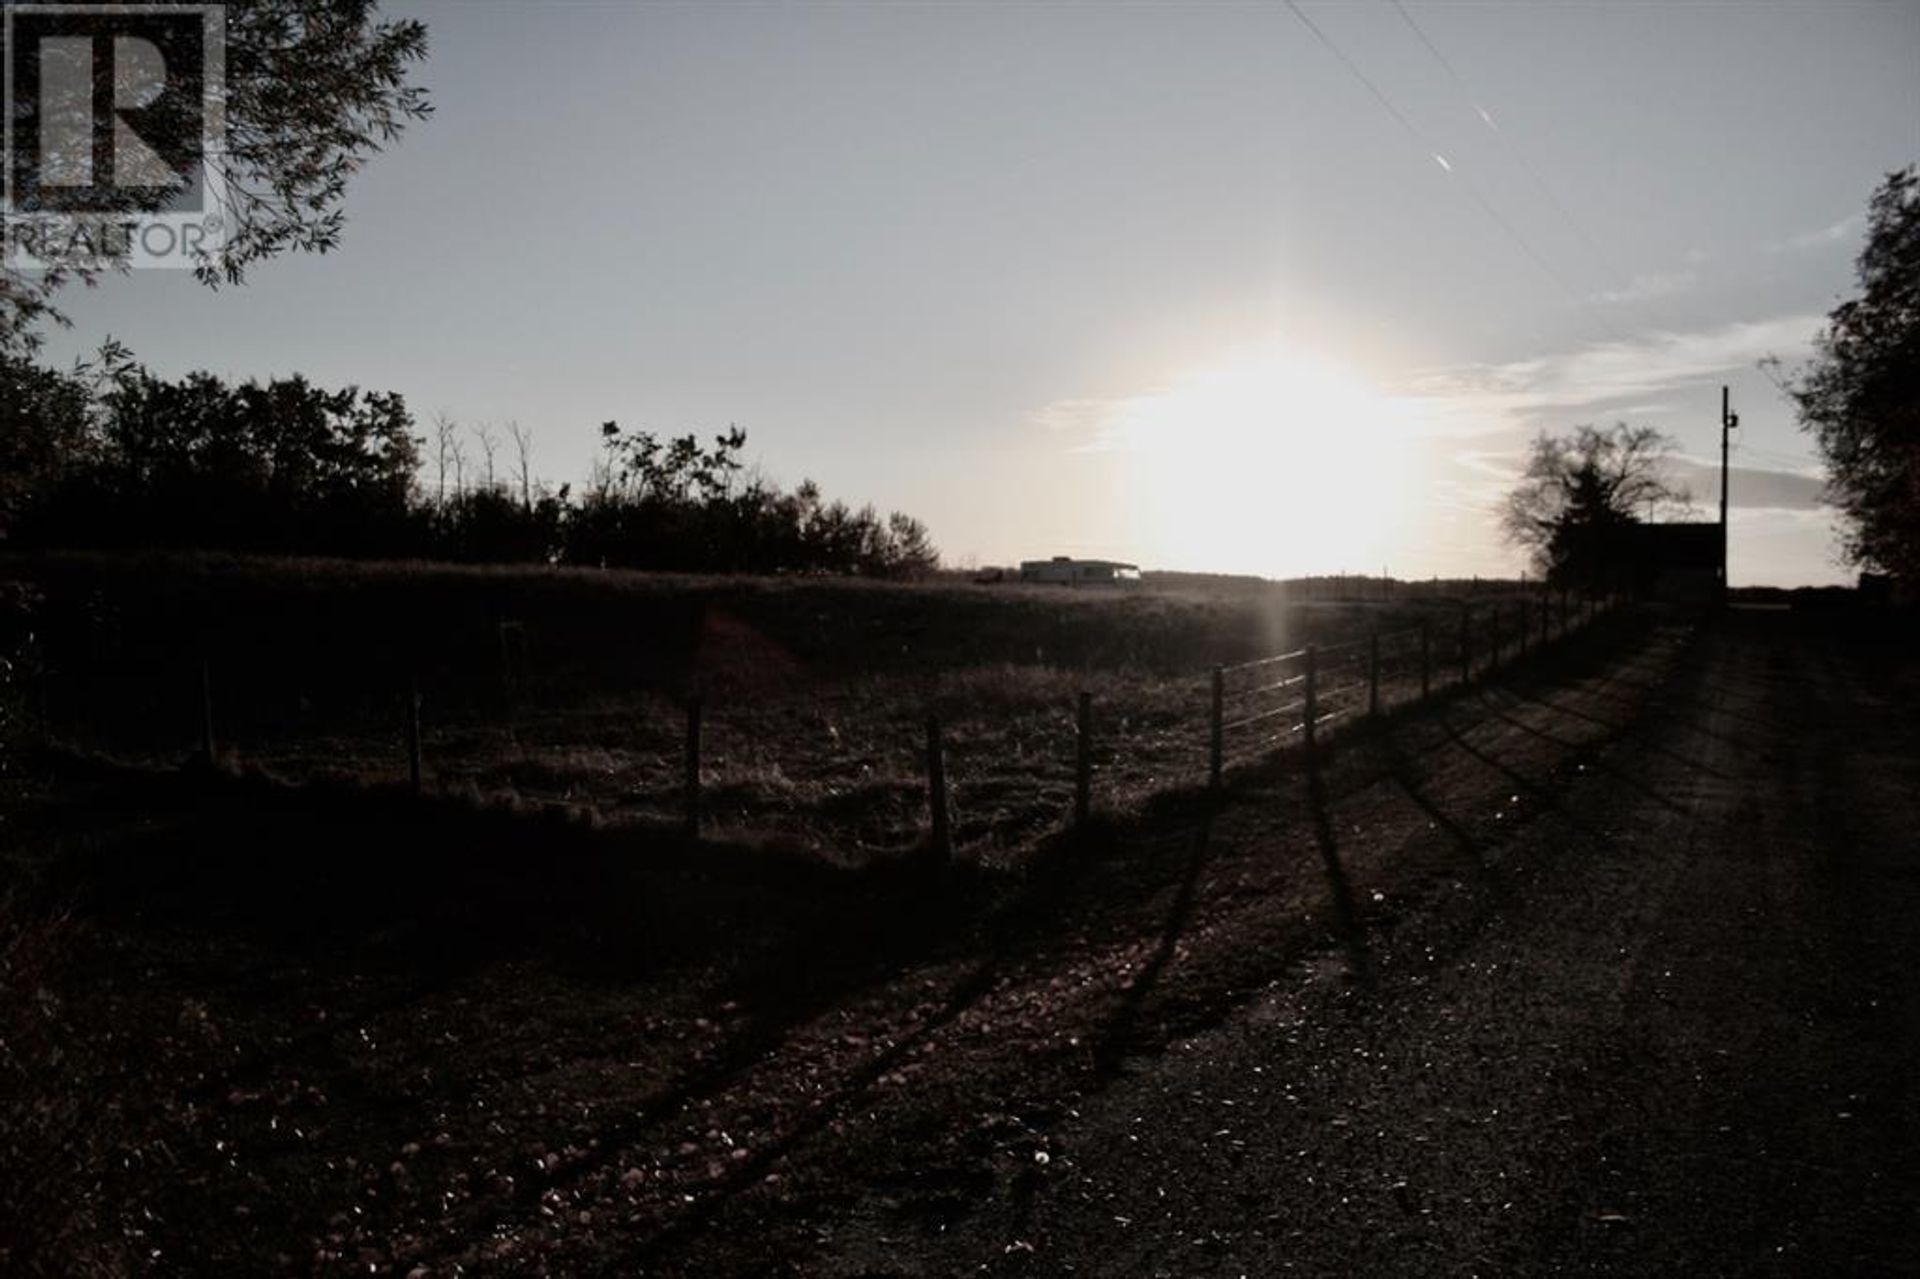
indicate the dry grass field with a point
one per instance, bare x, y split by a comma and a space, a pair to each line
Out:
543, 688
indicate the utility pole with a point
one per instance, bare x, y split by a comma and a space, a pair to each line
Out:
1728, 420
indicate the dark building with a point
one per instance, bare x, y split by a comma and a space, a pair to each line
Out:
1068, 571
1671, 563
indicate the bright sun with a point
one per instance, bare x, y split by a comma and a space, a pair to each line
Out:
1271, 462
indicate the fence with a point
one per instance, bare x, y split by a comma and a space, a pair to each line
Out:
885, 774
1273, 702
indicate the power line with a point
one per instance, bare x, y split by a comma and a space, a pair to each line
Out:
1371, 87
1776, 456
1472, 190
1514, 152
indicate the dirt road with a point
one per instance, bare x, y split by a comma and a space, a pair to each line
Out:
1602, 967
1655, 1014
1678, 1038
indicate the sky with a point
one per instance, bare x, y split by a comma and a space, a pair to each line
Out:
1218, 287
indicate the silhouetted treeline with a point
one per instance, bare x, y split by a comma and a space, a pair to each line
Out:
117, 457
678, 505
111, 456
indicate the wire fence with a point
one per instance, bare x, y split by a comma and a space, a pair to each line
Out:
980, 762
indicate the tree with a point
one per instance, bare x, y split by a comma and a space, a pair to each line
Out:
914, 552
489, 445
49, 425
312, 89
445, 441
1578, 491
1860, 395
281, 465
523, 460
671, 472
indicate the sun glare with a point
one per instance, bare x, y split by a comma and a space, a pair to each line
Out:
1274, 462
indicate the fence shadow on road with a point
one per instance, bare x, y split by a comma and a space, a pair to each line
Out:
1588, 755
1614, 728
1402, 766
1117, 1035
792, 988
1539, 790
1346, 913
1029, 920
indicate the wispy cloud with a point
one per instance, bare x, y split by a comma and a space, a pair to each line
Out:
1083, 420
1648, 285
1488, 398
1500, 464
1751, 488
1845, 230
1479, 479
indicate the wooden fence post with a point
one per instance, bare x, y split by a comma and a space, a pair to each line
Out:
1493, 638
1426, 658
1466, 639
693, 765
1563, 610
1373, 674
1526, 628
1083, 761
413, 734
941, 843
1216, 730
1312, 697
209, 748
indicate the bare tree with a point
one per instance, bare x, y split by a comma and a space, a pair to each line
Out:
489, 442
444, 447
1578, 490
523, 460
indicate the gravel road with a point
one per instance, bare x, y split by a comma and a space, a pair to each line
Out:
1607, 972
1675, 1035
